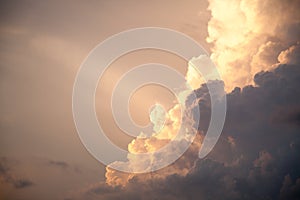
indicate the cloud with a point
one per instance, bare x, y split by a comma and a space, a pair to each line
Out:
61, 164
43, 177
151, 145
291, 55
7, 175
290, 190
248, 36
22, 183
257, 154
256, 157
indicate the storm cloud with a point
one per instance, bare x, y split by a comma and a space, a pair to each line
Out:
257, 156
256, 47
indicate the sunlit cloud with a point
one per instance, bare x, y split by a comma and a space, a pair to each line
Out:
248, 36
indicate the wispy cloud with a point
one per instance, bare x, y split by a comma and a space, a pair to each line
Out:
8, 176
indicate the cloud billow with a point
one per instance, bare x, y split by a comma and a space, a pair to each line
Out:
257, 156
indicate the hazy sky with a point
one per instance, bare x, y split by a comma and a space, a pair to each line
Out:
42, 46
43, 43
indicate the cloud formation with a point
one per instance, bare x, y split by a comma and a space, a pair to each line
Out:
248, 36
151, 145
257, 156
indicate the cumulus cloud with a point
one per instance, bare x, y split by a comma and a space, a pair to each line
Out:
173, 131
291, 55
248, 36
151, 145
255, 158
256, 50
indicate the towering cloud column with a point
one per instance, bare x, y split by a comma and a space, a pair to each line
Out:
249, 35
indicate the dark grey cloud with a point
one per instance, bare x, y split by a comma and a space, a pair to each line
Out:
22, 183
61, 164
67, 167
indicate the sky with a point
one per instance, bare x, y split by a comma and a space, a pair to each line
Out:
255, 46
